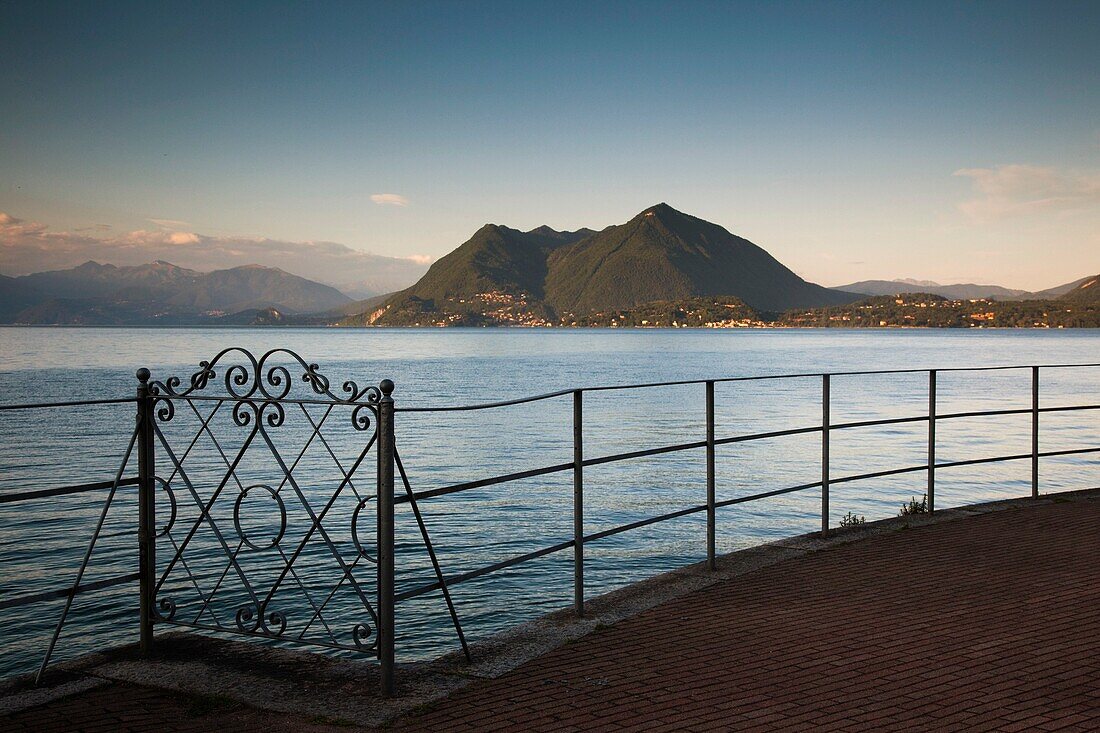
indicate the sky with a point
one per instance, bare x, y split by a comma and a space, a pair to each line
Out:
953, 142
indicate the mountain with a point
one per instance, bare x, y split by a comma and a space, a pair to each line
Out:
663, 254
1059, 290
498, 265
503, 276
1087, 292
964, 291
495, 257
157, 292
15, 295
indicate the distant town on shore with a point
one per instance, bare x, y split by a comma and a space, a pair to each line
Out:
661, 269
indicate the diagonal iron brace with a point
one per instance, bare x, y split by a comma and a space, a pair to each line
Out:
431, 554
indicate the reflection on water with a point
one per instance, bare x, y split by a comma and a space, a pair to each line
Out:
41, 542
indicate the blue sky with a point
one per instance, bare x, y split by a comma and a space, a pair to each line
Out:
851, 140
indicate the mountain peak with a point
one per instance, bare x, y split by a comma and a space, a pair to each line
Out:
162, 265
668, 218
490, 228
665, 255
660, 211
92, 265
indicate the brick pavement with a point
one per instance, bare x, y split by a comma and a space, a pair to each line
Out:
986, 623
123, 708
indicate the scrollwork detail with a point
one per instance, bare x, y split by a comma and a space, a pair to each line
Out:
164, 408
244, 412
173, 508
247, 619
361, 417
237, 517
252, 619
164, 609
360, 634
247, 377
274, 623
363, 503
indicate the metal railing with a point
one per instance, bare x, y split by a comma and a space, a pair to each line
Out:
825, 428
258, 393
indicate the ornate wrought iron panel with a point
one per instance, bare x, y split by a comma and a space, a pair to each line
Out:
266, 517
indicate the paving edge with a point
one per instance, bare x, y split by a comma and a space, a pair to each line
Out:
344, 691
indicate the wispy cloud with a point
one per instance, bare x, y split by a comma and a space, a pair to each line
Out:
27, 246
1013, 190
389, 199
170, 223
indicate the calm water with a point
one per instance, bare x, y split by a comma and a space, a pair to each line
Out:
42, 542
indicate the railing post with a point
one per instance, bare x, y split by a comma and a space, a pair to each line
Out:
825, 455
711, 564
385, 539
931, 441
147, 558
578, 503
1034, 432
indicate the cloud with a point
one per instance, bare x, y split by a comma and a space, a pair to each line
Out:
11, 226
27, 247
183, 238
1014, 190
170, 223
389, 199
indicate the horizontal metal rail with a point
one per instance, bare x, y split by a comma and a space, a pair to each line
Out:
234, 631
695, 445
72, 403
463, 577
767, 494
11, 497
51, 595
258, 399
535, 554
547, 395
754, 378
645, 522
480, 483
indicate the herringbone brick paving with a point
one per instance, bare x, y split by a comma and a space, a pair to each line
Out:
989, 623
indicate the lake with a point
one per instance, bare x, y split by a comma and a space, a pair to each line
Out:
43, 541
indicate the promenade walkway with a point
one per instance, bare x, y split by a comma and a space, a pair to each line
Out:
990, 622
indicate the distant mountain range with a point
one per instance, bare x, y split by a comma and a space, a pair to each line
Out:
661, 268
159, 292
964, 291
503, 276
1077, 308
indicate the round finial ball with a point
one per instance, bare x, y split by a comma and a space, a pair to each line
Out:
143, 375
386, 385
